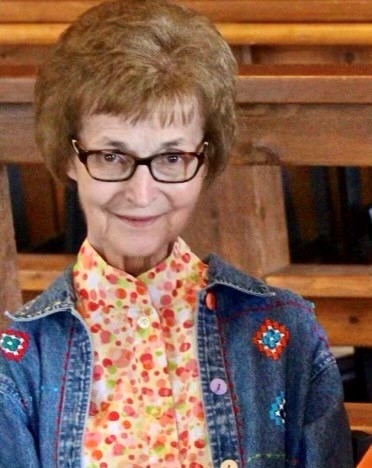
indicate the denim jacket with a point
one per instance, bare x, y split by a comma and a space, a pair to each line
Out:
271, 388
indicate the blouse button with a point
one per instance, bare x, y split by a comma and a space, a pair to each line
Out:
218, 386
143, 322
229, 464
210, 301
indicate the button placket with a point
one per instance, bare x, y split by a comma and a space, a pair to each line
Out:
218, 402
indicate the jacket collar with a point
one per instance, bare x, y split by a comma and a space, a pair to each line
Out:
220, 272
59, 296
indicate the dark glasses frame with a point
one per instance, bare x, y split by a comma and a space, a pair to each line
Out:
83, 156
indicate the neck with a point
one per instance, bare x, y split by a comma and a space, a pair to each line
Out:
134, 265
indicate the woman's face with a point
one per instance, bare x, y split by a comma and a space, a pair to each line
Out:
133, 223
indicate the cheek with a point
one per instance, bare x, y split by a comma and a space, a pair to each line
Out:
91, 195
187, 197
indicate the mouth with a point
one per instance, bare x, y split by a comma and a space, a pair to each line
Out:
138, 221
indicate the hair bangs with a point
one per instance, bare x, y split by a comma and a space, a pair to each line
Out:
177, 106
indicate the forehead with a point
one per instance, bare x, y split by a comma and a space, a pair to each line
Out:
147, 135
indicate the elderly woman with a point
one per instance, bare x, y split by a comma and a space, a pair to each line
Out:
141, 354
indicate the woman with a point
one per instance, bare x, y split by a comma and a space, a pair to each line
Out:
141, 354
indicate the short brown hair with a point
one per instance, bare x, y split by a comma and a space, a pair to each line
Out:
127, 57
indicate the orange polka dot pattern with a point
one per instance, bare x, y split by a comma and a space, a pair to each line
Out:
146, 405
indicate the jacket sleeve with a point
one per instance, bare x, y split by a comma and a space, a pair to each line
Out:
17, 445
326, 441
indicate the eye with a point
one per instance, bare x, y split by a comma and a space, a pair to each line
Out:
108, 158
111, 157
172, 158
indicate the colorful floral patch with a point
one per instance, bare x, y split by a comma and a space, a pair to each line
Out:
271, 338
277, 410
14, 344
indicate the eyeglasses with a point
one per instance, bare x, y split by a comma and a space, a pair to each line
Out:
114, 166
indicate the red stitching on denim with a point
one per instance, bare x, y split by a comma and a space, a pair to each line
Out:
63, 386
270, 306
234, 398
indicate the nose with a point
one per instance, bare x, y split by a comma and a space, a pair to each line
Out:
141, 187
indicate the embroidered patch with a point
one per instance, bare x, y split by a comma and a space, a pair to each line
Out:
277, 410
271, 338
14, 344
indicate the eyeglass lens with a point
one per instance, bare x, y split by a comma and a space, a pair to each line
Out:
167, 167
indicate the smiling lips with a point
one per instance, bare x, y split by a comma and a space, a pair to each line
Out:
138, 221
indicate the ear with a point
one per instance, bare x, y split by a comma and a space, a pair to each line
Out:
71, 170
204, 169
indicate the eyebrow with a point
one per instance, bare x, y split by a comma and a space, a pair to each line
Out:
123, 147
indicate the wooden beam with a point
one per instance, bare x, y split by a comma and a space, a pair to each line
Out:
296, 34
301, 84
343, 301
347, 321
10, 295
17, 83
326, 84
325, 280
17, 143
249, 11
17, 90
356, 34
37, 271
45, 11
303, 134
30, 34
360, 416
248, 203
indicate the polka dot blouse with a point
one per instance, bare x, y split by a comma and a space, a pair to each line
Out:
146, 406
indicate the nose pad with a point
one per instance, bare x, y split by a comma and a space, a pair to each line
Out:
140, 188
